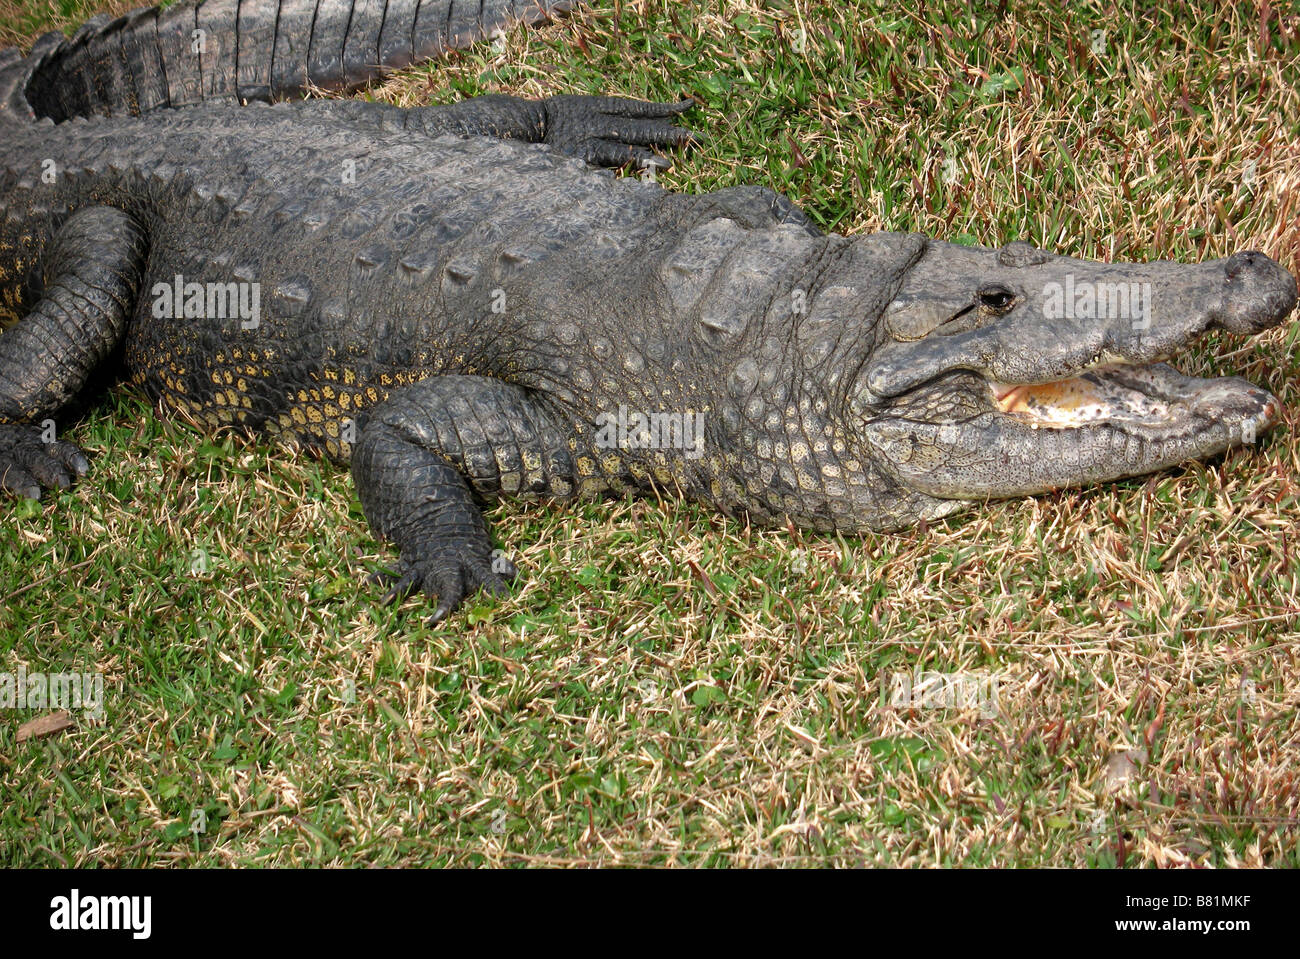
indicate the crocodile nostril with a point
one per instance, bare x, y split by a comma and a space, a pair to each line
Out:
1238, 263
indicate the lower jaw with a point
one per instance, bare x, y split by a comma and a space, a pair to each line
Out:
1016, 470
1155, 401
1006, 456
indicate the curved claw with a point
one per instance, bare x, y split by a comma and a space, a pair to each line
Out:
29, 465
450, 576
20, 482
494, 584
615, 131
612, 154
406, 580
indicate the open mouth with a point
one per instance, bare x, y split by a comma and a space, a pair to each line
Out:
1155, 398
968, 436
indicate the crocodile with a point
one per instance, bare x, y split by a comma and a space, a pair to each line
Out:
465, 302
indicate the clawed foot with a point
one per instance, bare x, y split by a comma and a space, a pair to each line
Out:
29, 465
449, 573
616, 131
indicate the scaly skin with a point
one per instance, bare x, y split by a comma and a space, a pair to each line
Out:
455, 300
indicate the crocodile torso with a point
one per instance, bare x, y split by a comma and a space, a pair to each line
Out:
461, 304
375, 261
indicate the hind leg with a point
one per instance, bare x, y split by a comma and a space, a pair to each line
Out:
602, 131
92, 270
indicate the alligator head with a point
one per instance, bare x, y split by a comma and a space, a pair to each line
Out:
1010, 372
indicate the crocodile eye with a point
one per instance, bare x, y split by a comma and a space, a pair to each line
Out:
996, 299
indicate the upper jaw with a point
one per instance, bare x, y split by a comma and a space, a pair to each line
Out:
1071, 317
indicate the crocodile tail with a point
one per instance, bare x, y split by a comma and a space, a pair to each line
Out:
16, 71
153, 59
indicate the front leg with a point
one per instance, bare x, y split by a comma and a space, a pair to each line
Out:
427, 453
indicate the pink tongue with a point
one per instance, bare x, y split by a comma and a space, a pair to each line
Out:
1061, 401
1003, 390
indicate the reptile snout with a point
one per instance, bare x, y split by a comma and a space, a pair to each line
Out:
1259, 293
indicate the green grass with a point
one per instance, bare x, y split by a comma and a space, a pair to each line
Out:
671, 687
